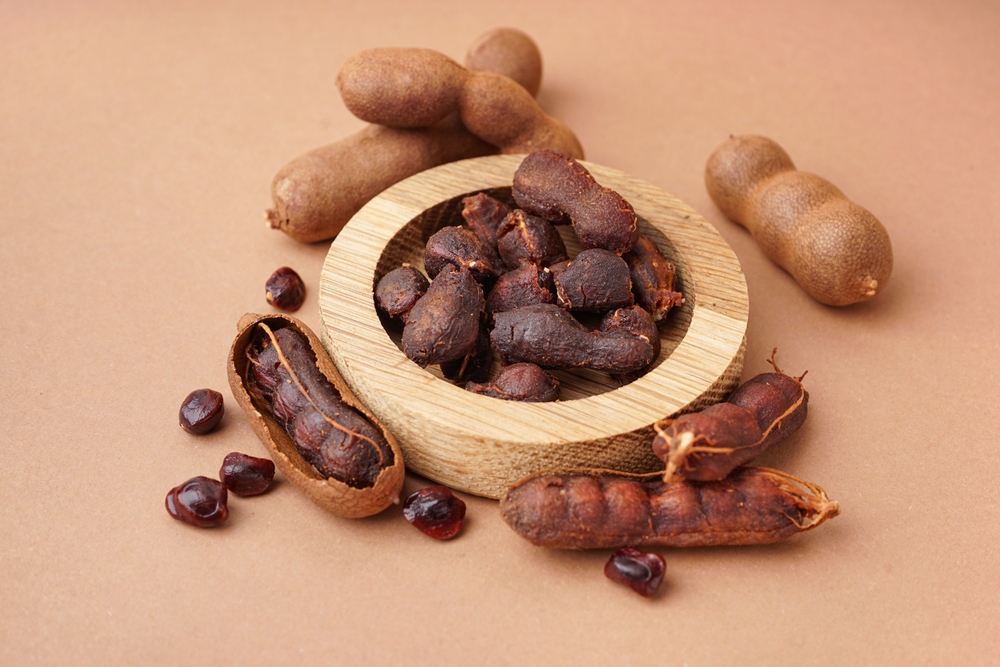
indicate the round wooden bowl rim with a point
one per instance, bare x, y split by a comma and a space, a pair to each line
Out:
399, 392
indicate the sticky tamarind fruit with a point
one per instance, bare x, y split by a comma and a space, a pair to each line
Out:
600, 509
319, 435
556, 187
708, 445
408, 87
547, 335
836, 250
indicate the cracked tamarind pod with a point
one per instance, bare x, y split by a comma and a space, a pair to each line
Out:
709, 444
319, 435
601, 509
837, 251
556, 187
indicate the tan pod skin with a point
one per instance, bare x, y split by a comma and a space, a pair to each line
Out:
317, 193
332, 495
836, 250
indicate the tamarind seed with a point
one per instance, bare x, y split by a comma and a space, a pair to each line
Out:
200, 501
435, 511
639, 570
246, 475
201, 411
285, 290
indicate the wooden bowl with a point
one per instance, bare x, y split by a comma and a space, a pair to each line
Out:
480, 444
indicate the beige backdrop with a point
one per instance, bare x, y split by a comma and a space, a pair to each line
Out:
137, 146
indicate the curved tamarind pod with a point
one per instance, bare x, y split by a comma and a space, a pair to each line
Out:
836, 250
601, 509
708, 445
502, 113
317, 193
410, 87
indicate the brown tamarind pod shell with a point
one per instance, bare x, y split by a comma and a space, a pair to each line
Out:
332, 495
837, 251
319, 191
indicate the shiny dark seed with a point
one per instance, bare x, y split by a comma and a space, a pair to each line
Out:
640, 571
285, 290
201, 411
246, 475
200, 501
435, 511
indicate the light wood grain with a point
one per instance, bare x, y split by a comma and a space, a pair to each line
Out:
480, 444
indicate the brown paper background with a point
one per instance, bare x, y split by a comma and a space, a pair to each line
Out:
137, 145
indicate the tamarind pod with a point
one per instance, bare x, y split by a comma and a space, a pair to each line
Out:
410, 87
510, 52
401, 86
599, 509
501, 112
709, 444
835, 249
317, 193
320, 436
